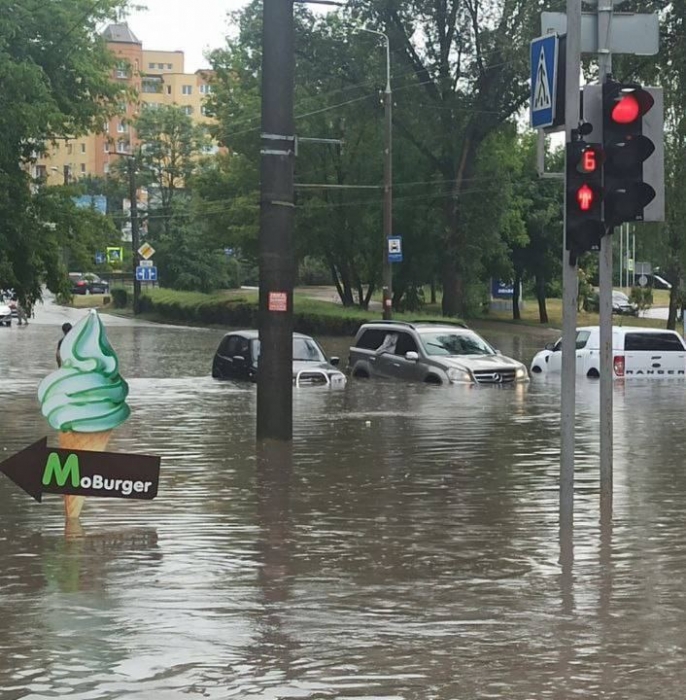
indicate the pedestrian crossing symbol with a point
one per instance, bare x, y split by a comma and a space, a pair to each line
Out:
544, 63
542, 98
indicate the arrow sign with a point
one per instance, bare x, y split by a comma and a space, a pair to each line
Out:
40, 469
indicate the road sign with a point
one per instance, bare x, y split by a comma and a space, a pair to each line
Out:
115, 254
395, 249
100, 258
637, 34
40, 469
643, 280
146, 263
146, 274
544, 60
146, 251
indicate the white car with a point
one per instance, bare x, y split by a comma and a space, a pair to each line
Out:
5, 314
636, 352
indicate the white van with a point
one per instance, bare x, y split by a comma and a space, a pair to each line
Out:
636, 352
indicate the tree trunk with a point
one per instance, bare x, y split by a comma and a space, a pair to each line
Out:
673, 302
516, 315
433, 290
540, 295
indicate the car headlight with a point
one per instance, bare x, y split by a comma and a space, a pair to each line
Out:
459, 375
521, 372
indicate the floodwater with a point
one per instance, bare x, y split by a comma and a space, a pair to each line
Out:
407, 549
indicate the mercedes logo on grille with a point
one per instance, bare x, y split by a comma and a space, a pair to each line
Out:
497, 377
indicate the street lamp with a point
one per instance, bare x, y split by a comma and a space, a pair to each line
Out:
387, 273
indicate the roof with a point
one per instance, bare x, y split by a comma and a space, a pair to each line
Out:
252, 333
120, 34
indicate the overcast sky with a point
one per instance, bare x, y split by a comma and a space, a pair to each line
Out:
192, 26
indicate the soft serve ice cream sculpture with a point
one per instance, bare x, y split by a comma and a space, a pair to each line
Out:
86, 398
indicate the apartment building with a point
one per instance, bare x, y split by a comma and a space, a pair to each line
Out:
158, 78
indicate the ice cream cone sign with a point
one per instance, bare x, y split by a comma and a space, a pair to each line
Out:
84, 400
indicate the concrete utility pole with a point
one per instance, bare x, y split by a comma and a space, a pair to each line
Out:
569, 284
605, 293
277, 210
135, 242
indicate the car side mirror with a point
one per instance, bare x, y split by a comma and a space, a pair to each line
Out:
335, 361
497, 352
550, 346
412, 356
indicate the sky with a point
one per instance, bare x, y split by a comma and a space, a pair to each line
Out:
191, 26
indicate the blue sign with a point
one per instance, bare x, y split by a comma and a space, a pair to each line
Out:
92, 201
99, 258
395, 249
146, 274
502, 290
544, 61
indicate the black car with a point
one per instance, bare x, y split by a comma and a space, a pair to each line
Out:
88, 283
239, 351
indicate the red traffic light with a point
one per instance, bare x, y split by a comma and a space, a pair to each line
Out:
626, 110
585, 197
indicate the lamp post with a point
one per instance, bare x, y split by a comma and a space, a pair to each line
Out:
387, 273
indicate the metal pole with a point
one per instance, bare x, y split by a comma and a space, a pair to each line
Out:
569, 286
605, 296
387, 269
621, 249
633, 262
135, 242
277, 213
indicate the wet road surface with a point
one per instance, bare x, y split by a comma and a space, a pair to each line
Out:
407, 548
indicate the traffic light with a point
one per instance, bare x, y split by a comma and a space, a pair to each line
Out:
583, 198
626, 147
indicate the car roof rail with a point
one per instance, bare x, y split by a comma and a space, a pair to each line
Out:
397, 323
442, 321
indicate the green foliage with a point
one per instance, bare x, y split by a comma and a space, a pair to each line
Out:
120, 298
642, 297
55, 77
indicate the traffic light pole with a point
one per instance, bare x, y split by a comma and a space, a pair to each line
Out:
569, 286
605, 299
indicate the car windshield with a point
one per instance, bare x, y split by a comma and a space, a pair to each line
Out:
304, 350
448, 343
620, 297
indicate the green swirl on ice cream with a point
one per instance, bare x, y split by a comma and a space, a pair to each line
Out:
87, 394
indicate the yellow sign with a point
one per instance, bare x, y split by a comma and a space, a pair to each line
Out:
115, 255
146, 251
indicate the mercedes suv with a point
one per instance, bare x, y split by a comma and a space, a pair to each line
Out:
432, 352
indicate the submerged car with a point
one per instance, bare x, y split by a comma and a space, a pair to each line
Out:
636, 352
237, 357
5, 314
430, 352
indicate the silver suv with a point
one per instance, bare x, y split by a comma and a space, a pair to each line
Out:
432, 352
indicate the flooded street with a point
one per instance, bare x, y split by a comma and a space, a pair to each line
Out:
408, 548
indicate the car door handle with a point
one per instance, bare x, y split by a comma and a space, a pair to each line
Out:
396, 364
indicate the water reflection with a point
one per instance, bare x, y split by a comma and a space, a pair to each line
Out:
406, 547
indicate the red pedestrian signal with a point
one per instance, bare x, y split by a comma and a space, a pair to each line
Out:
584, 196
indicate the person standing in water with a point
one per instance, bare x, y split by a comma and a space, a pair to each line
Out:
66, 327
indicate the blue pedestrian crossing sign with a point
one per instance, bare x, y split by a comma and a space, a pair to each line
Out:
146, 274
544, 64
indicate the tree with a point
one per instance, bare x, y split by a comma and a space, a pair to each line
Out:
465, 64
55, 77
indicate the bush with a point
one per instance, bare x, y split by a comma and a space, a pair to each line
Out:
120, 298
313, 272
642, 297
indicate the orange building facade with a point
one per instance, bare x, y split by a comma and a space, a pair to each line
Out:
157, 78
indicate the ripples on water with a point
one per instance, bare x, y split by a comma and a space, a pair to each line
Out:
407, 550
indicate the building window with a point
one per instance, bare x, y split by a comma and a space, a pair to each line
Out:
106, 168
122, 128
205, 89
83, 148
83, 168
107, 146
41, 172
186, 89
151, 66
122, 70
188, 110
122, 146
106, 127
69, 149
169, 66
151, 86
160, 66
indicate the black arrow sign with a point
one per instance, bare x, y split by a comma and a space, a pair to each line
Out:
40, 469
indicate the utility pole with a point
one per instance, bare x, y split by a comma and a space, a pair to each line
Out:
135, 242
605, 295
277, 211
569, 284
388, 192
